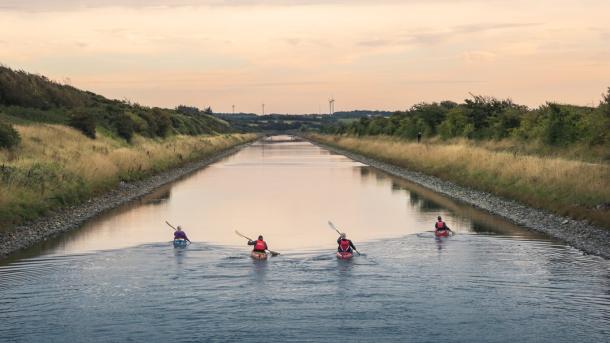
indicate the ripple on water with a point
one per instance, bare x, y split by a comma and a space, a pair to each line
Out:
483, 287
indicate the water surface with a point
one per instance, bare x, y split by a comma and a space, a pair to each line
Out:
119, 279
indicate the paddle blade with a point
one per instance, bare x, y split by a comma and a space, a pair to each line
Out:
274, 253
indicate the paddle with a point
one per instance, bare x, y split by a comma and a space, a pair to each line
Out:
273, 253
339, 232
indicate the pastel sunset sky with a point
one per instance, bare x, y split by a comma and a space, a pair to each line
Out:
295, 54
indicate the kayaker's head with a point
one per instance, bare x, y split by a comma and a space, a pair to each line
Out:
260, 237
179, 228
439, 218
342, 235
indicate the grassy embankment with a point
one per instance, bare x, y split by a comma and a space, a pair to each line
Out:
56, 165
568, 187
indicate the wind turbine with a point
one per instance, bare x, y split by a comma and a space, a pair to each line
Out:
331, 105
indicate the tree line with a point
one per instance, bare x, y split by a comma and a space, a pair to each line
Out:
481, 117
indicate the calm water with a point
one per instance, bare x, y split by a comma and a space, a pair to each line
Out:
119, 279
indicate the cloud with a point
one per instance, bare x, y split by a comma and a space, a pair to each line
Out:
482, 27
478, 56
293, 41
432, 37
375, 42
57, 5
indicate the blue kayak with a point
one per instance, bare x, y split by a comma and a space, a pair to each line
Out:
180, 243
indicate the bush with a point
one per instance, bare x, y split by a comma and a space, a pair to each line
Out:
9, 137
124, 127
84, 122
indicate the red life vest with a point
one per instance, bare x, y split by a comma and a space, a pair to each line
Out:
344, 245
260, 245
440, 225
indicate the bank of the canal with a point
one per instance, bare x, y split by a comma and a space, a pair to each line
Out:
67, 219
589, 238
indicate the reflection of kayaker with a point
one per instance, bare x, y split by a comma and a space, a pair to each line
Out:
441, 229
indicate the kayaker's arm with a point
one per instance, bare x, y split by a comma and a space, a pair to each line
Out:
352, 245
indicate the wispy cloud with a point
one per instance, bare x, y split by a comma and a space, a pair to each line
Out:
50, 5
431, 37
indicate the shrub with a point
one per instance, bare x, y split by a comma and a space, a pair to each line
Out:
9, 137
84, 122
124, 127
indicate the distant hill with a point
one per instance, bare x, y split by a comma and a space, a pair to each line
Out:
361, 114
274, 122
29, 98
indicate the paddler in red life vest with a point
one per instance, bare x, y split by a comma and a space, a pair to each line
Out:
179, 234
259, 245
345, 245
441, 225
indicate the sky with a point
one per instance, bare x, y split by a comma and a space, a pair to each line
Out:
293, 55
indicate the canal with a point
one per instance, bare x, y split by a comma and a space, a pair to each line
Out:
118, 278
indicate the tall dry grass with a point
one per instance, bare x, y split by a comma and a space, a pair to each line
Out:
568, 187
56, 166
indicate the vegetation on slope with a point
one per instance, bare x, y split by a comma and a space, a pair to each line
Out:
28, 98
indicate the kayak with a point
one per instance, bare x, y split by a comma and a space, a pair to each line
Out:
179, 243
441, 233
257, 255
344, 255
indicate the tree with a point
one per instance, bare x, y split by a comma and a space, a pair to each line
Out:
458, 123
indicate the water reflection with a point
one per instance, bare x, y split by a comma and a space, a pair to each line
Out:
287, 190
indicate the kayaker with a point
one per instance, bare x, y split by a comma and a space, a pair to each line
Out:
345, 245
259, 245
179, 234
441, 225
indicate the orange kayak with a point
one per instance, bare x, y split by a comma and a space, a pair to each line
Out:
441, 233
344, 255
257, 255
